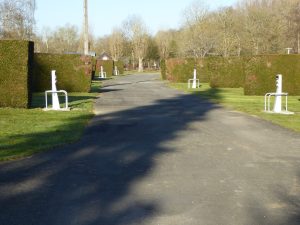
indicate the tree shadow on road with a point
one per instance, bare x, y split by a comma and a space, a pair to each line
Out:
280, 205
90, 182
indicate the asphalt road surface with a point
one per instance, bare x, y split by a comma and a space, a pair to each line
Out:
156, 156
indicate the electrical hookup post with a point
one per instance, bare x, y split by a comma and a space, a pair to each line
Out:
194, 83
277, 99
55, 100
54, 92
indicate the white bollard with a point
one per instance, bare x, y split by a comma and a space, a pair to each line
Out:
101, 72
278, 100
55, 100
194, 83
116, 71
195, 79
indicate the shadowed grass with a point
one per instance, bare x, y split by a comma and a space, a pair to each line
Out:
27, 131
235, 99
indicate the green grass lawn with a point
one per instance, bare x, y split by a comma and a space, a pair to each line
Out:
27, 131
235, 99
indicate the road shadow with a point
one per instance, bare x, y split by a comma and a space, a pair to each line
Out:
90, 182
280, 205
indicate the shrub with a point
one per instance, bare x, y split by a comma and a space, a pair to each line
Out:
203, 72
227, 72
256, 74
15, 73
183, 71
108, 66
261, 72
120, 65
163, 69
180, 70
74, 72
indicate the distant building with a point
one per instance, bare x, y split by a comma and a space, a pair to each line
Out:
104, 56
92, 54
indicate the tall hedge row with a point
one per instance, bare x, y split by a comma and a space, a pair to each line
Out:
227, 72
180, 70
120, 65
261, 72
108, 66
15, 73
256, 74
74, 72
163, 69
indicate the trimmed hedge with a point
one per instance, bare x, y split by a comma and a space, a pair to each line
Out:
180, 70
163, 69
108, 66
262, 70
227, 72
120, 65
74, 72
256, 74
15, 73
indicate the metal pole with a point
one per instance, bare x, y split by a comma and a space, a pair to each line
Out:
86, 29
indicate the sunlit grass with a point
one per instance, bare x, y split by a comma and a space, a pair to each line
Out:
235, 99
27, 131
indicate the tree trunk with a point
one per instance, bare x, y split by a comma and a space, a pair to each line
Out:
133, 63
47, 45
141, 67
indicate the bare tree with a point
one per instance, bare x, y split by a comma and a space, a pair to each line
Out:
292, 31
228, 38
116, 44
136, 32
165, 41
63, 39
102, 44
198, 36
17, 19
250, 27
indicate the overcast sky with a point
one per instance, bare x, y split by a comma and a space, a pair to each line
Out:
104, 15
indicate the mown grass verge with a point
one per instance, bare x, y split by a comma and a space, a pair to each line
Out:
235, 99
27, 131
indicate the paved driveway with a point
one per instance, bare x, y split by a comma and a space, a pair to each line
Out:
157, 156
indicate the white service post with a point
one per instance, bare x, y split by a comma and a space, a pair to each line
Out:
116, 71
55, 100
195, 79
278, 101
101, 72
